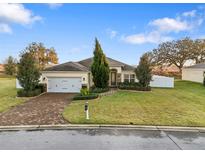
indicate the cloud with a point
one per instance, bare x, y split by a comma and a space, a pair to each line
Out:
4, 28
151, 37
170, 25
111, 33
189, 13
17, 13
54, 5
160, 29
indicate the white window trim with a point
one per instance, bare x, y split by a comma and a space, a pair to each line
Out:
129, 77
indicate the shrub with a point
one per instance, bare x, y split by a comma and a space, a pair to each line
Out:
204, 81
84, 91
42, 87
133, 86
99, 90
24, 93
87, 97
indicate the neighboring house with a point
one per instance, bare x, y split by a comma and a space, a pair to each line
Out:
172, 71
194, 73
1, 68
71, 76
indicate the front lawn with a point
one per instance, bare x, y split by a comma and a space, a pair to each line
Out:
182, 106
8, 94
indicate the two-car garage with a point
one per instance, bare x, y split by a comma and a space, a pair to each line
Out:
65, 78
64, 84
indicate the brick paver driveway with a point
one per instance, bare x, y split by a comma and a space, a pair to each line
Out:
43, 110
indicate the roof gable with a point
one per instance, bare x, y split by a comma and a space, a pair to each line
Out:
197, 66
85, 65
112, 63
69, 66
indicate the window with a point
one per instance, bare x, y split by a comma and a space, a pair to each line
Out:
132, 78
126, 78
129, 77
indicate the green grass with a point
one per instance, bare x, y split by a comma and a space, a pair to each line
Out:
182, 106
8, 94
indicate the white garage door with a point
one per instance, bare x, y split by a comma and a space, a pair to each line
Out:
64, 85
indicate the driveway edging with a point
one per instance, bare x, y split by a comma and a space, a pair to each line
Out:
99, 126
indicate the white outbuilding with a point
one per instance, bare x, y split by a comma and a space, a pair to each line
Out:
194, 73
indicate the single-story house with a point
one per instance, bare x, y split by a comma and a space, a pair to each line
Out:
72, 76
194, 73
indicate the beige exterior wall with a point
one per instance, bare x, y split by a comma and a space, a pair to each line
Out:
195, 75
83, 75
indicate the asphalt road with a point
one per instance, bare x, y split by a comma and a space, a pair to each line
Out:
101, 139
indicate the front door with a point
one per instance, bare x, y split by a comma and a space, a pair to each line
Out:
113, 78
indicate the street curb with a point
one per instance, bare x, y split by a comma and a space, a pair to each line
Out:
84, 126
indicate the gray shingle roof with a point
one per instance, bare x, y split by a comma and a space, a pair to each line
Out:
199, 66
69, 66
113, 63
84, 65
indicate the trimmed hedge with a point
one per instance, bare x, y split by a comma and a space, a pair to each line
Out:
133, 86
23, 93
98, 90
86, 97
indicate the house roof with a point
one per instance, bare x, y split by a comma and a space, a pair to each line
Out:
197, 66
112, 63
69, 66
85, 65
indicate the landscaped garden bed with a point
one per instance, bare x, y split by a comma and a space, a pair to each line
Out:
132, 86
85, 94
87, 97
37, 91
183, 105
99, 90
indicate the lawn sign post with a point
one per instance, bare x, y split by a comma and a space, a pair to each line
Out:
86, 111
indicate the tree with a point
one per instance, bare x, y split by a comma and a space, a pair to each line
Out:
28, 72
198, 54
174, 52
52, 56
42, 55
10, 66
100, 67
143, 71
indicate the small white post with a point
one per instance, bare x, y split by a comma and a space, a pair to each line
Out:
86, 111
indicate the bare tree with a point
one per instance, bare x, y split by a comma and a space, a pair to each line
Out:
174, 52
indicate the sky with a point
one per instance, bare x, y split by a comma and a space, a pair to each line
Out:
125, 31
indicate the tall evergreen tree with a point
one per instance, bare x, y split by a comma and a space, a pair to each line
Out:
143, 71
100, 68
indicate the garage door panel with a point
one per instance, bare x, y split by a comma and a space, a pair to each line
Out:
64, 85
